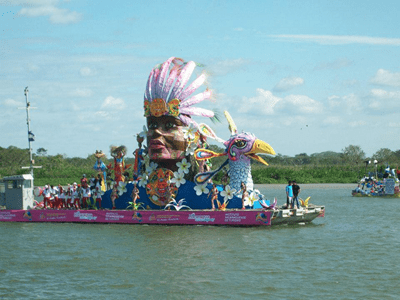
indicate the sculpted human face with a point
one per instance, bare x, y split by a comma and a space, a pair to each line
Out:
165, 139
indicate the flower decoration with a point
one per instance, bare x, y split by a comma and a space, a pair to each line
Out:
143, 134
151, 167
249, 201
191, 148
201, 189
228, 193
178, 179
189, 132
142, 181
121, 188
183, 166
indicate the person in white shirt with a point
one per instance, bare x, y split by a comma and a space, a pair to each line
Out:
61, 197
46, 196
75, 196
97, 196
86, 198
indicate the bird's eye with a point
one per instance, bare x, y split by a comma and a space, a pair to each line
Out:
240, 143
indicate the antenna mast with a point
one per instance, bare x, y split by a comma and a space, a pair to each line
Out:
31, 136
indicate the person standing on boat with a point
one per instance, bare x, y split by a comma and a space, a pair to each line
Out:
296, 192
92, 182
84, 182
289, 194
75, 196
46, 196
61, 197
68, 197
54, 197
97, 195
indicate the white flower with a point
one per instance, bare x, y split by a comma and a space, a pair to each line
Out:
228, 193
178, 179
191, 148
143, 181
201, 189
249, 201
121, 188
189, 132
143, 134
183, 166
151, 167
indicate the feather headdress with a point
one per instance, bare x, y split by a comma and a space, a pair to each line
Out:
166, 92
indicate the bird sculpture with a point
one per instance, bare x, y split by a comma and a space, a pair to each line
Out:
177, 205
305, 202
272, 206
240, 148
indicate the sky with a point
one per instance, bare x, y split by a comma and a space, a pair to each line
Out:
303, 76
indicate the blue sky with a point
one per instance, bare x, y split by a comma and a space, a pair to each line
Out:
304, 76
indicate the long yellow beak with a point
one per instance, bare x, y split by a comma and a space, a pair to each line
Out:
260, 146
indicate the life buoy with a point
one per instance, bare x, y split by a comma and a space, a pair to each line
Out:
37, 191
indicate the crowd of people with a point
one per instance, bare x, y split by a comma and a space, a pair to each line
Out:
87, 194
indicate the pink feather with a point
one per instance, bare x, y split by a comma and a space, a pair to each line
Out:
163, 73
196, 99
193, 86
154, 83
182, 79
197, 111
147, 91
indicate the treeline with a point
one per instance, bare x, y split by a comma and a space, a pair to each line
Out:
347, 166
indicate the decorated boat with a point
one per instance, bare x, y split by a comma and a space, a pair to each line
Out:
172, 178
369, 187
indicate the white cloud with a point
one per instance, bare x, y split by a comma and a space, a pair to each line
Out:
346, 104
385, 77
86, 71
357, 123
82, 93
113, 103
49, 8
264, 101
334, 65
13, 103
332, 120
337, 39
228, 66
288, 83
378, 93
304, 104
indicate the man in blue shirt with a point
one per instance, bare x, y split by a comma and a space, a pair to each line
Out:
289, 194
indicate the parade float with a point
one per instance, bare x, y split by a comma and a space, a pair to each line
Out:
370, 187
378, 184
172, 181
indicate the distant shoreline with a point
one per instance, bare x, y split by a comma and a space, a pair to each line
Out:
310, 186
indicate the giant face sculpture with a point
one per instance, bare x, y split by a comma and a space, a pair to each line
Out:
165, 138
168, 106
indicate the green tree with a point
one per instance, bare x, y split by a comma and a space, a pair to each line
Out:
383, 155
353, 154
41, 152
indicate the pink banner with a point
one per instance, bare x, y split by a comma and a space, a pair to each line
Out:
186, 217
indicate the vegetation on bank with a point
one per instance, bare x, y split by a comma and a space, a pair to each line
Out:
326, 167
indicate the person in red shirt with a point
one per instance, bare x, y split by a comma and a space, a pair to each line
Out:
84, 182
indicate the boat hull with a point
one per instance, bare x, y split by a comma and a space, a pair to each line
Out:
248, 217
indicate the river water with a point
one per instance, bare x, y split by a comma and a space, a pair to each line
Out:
352, 253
